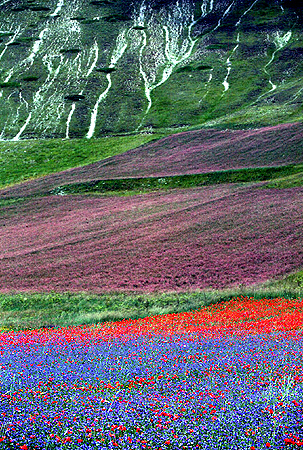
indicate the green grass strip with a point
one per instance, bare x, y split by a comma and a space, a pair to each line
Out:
140, 185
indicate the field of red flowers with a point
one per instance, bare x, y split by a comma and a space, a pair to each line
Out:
191, 152
179, 240
225, 377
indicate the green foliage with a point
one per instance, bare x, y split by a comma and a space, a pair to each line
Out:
27, 39
31, 78
219, 46
106, 69
10, 84
75, 97
117, 18
295, 279
23, 160
70, 50
192, 68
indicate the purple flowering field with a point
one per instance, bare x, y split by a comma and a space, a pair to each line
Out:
216, 236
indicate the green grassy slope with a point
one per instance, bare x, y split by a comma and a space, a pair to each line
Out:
33, 158
184, 159
289, 181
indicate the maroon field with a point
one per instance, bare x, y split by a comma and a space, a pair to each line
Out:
180, 240
185, 153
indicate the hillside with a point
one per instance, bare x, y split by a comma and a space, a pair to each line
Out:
194, 152
188, 239
80, 68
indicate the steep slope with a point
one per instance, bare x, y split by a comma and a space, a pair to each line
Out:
82, 68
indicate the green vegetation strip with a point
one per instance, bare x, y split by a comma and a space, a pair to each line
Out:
27, 159
19, 311
138, 185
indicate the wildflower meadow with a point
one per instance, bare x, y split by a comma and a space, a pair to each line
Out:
179, 240
227, 376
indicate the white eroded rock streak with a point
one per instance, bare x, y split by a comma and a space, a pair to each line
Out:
13, 38
280, 40
92, 66
228, 63
207, 7
226, 12
173, 32
58, 8
120, 47
16, 138
69, 118
247, 11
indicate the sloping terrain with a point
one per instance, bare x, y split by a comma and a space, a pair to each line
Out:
192, 152
218, 81
179, 240
30, 159
81, 68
